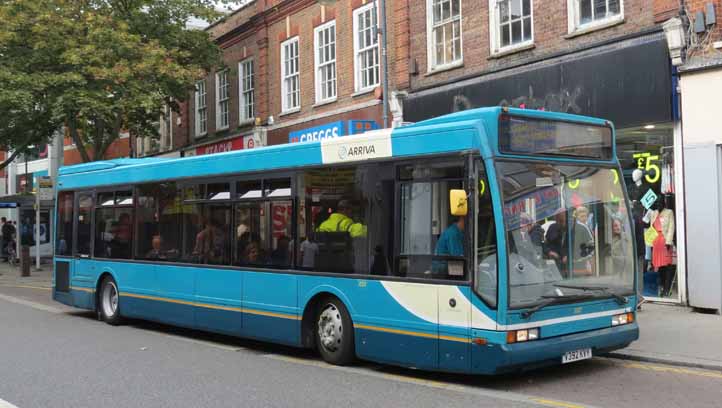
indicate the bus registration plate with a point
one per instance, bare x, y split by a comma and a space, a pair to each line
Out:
577, 355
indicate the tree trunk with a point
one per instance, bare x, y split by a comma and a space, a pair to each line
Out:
73, 126
12, 156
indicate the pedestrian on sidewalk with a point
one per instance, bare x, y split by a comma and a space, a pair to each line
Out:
6, 234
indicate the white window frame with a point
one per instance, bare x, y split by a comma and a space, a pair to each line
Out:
574, 18
201, 114
285, 106
243, 91
358, 52
431, 42
495, 31
318, 67
223, 97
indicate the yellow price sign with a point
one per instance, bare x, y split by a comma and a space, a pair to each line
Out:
647, 162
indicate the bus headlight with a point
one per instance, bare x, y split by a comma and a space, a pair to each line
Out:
518, 336
621, 319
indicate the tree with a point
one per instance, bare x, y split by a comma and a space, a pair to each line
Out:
106, 65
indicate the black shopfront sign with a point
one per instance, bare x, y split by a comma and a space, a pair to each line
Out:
630, 85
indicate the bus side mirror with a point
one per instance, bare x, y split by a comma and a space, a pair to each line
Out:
458, 203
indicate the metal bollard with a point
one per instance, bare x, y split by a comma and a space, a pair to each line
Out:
25, 260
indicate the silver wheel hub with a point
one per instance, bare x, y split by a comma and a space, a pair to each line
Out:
110, 299
330, 328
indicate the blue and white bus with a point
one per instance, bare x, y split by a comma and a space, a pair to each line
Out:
484, 241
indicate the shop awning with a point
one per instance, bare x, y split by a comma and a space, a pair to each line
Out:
17, 200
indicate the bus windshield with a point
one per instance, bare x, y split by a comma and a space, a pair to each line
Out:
567, 231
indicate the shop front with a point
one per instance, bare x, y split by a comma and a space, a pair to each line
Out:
629, 83
250, 140
315, 128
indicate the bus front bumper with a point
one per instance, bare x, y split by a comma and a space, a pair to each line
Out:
502, 358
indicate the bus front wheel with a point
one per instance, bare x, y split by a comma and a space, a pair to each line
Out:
334, 332
109, 302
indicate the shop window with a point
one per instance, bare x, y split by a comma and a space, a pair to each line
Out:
511, 24
444, 25
646, 155
588, 14
64, 235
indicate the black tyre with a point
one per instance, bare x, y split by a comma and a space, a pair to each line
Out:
334, 332
109, 301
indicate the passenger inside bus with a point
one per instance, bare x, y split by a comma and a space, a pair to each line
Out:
556, 244
158, 252
121, 232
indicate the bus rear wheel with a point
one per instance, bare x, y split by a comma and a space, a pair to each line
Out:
334, 333
109, 301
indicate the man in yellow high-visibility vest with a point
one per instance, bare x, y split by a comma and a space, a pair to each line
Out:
341, 221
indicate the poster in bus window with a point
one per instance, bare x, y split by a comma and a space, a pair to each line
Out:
540, 204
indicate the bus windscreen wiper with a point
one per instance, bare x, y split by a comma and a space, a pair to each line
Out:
554, 300
621, 300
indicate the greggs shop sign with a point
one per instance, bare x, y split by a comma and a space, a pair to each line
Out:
331, 130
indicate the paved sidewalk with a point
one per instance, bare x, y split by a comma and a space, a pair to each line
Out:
10, 276
668, 334
676, 335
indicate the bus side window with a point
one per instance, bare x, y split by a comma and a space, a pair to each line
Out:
64, 234
432, 241
84, 230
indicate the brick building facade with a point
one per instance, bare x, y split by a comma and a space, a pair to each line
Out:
292, 70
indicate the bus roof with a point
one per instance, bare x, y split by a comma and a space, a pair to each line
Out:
456, 132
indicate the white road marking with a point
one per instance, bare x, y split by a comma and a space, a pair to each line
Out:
5, 404
499, 395
29, 303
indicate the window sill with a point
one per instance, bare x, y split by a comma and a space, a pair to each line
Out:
363, 92
221, 129
511, 50
201, 136
322, 103
443, 68
290, 112
595, 26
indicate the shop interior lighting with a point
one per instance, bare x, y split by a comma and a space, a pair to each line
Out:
649, 127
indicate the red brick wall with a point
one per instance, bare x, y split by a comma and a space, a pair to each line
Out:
119, 148
550, 36
665, 9
716, 32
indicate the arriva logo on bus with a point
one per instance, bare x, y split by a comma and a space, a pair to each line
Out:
372, 145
